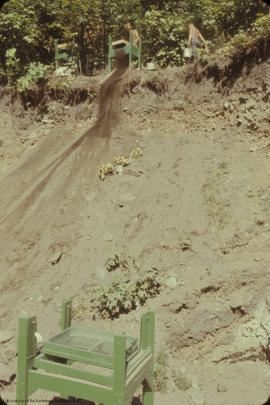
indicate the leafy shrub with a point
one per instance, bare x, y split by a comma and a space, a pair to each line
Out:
125, 297
164, 36
242, 40
122, 297
35, 75
12, 66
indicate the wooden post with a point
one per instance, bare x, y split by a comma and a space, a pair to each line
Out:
140, 54
148, 341
65, 322
130, 51
109, 55
66, 314
26, 352
119, 370
148, 331
56, 54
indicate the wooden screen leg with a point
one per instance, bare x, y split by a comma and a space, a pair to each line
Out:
148, 341
110, 55
148, 331
110, 64
140, 57
148, 398
119, 370
148, 392
66, 314
26, 351
130, 57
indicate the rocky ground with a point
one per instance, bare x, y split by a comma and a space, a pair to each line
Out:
184, 215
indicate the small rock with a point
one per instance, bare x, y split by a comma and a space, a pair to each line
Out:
126, 198
185, 245
243, 99
108, 237
133, 173
267, 301
222, 388
253, 125
196, 395
253, 149
226, 105
119, 169
260, 222
171, 282
56, 258
179, 105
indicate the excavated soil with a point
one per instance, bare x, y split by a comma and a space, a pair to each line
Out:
193, 207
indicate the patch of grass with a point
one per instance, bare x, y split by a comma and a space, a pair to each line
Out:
161, 371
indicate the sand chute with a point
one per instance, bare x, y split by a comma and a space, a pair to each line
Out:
47, 190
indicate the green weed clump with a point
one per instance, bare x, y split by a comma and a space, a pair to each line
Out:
245, 39
34, 76
122, 296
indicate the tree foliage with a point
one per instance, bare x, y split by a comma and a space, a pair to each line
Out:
32, 26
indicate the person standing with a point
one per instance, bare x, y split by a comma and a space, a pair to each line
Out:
134, 35
195, 39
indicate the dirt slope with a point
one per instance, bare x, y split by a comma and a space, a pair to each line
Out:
194, 207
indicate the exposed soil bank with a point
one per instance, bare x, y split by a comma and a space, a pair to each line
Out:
194, 207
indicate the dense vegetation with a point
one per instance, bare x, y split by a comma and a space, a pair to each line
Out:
29, 28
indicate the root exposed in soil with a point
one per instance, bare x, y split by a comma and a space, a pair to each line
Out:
226, 72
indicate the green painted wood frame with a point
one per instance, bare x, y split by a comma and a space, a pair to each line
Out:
40, 371
129, 50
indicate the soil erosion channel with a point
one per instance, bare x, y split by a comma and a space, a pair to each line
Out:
46, 191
